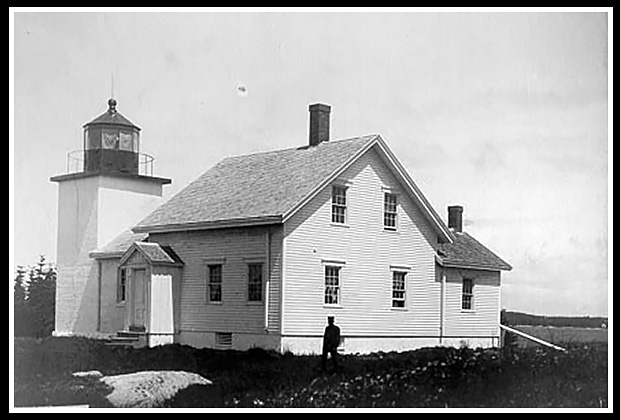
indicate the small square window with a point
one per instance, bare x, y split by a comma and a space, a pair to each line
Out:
223, 339
126, 141
110, 138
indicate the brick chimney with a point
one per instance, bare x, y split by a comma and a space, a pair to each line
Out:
319, 123
455, 218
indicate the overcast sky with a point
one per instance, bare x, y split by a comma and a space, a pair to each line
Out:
505, 114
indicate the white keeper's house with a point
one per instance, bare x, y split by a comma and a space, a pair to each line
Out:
262, 248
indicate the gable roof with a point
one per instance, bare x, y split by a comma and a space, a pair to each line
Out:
269, 187
259, 185
466, 252
153, 252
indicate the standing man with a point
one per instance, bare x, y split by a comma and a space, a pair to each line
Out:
331, 341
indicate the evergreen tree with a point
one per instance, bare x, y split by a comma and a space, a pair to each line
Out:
41, 297
21, 316
19, 286
34, 299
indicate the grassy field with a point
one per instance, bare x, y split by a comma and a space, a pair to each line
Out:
562, 335
429, 377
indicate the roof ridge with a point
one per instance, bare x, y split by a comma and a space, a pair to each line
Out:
258, 187
264, 152
146, 243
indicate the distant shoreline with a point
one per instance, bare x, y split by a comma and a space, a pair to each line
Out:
521, 318
562, 327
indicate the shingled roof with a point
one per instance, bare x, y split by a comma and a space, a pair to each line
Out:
261, 186
466, 252
117, 246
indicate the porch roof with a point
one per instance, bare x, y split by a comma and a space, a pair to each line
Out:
154, 253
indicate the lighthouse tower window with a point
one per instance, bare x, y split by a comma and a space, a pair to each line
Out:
126, 141
110, 139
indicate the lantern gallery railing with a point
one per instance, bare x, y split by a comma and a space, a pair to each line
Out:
109, 160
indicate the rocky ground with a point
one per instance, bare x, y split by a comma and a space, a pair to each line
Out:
430, 377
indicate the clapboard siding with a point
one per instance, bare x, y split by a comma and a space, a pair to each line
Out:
368, 251
483, 319
234, 248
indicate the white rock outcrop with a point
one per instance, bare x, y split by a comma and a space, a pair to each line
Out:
146, 389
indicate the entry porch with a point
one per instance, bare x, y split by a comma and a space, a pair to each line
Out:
149, 287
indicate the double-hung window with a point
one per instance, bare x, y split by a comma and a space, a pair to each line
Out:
121, 286
390, 206
467, 301
215, 283
339, 204
399, 289
255, 282
332, 285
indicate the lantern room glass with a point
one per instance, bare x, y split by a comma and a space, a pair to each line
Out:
112, 138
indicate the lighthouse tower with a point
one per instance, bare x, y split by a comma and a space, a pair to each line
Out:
109, 185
